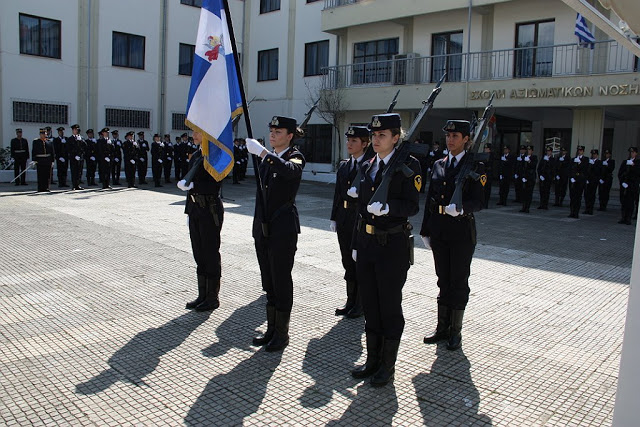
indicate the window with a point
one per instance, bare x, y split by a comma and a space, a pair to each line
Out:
312, 1
40, 36
531, 59
185, 59
127, 50
316, 56
372, 61
177, 121
128, 118
269, 5
446, 49
39, 112
268, 65
316, 145
196, 3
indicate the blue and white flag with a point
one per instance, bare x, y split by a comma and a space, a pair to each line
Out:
583, 32
214, 96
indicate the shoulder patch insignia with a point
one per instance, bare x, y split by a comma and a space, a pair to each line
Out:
417, 182
483, 179
299, 161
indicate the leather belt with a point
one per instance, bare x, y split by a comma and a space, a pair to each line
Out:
43, 155
19, 151
370, 229
347, 205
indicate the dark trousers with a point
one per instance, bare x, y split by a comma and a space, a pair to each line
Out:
628, 200
452, 260
527, 193
142, 170
115, 172
104, 172
576, 189
91, 171
167, 170
75, 172
130, 172
345, 236
382, 272
561, 188
156, 171
44, 174
236, 172
205, 241
590, 194
178, 166
18, 167
62, 168
545, 192
505, 184
275, 258
518, 186
487, 193
603, 192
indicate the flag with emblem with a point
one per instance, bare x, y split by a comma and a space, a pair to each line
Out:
214, 97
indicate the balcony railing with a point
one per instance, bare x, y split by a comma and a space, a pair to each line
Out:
607, 57
330, 4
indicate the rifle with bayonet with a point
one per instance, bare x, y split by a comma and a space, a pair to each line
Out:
307, 116
466, 170
29, 166
405, 148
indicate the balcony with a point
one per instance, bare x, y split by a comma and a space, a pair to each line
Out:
331, 4
607, 57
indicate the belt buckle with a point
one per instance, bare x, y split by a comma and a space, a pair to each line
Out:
370, 229
441, 209
345, 204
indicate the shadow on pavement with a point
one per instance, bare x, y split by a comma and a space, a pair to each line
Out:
449, 390
141, 355
371, 406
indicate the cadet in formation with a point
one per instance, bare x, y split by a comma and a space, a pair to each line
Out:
528, 176
593, 180
90, 153
629, 177
578, 180
157, 158
546, 169
505, 174
563, 170
276, 225
131, 154
61, 151
20, 155
451, 233
518, 170
143, 158
42, 154
105, 155
116, 162
382, 246
343, 215
167, 158
76, 152
606, 180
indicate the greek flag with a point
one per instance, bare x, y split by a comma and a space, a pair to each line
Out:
214, 96
583, 33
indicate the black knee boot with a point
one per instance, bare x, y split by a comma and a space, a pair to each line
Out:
442, 329
351, 291
281, 334
202, 290
211, 301
357, 310
271, 324
374, 354
386, 372
455, 340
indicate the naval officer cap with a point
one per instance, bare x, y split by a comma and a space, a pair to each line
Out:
607, 151
288, 123
60, 128
129, 133
114, 132
385, 121
76, 126
19, 130
580, 148
43, 130
634, 149
156, 135
141, 133
89, 131
462, 126
523, 147
594, 151
184, 135
530, 147
104, 130
357, 132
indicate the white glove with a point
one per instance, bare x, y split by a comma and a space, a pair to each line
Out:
107, 159
541, 178
625, 185
451, 210
182, 184
524, 179
630, 162
133, 162
587, 181
142, 159
602, 181
605, 163
500, 176
378, 209
116, 159
78, 158
61, 159
573, 180
576, 160
254, 146
169, 158
352, 192
504, 159
561, 159
515, 176
332, 226
426, 241
519, 159
591, 161
558, 177
92, 158
238, 162
527, 159
354, 255
546, 157
445, 151
159, 160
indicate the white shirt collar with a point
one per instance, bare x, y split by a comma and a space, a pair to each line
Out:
458, 157
387, 159
359, 159
282, 152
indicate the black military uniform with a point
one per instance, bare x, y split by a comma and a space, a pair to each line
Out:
105, 156
434, 155
578, 180
206, 213
593, 178
606, 180
275, 230
506, 169
237, 161
546, 170
61, 151
343, 213
167, 158
179, 153
383, 248
20, 155
49, 138
143, 158
490, 170
157, 154
131, 155
245, 159
452, 238
563, 170
90, 153
528, 178
75, 146
629, 177
518, 172
116, 162
42, 154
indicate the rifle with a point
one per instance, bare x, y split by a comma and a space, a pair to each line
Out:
405, 148
465, 169
307, 116
29, 166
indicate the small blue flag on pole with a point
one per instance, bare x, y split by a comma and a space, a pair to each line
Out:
583, 32
214, 96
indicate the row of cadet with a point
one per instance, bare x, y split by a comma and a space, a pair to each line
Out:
588, 176
106, 155
240, 160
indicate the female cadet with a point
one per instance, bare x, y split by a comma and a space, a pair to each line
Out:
343, 215
205, 214
382, 248
276, 225
452, 233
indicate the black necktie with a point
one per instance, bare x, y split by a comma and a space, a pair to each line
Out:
378, 179
452, 163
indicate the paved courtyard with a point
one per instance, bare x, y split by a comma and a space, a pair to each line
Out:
93, 329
